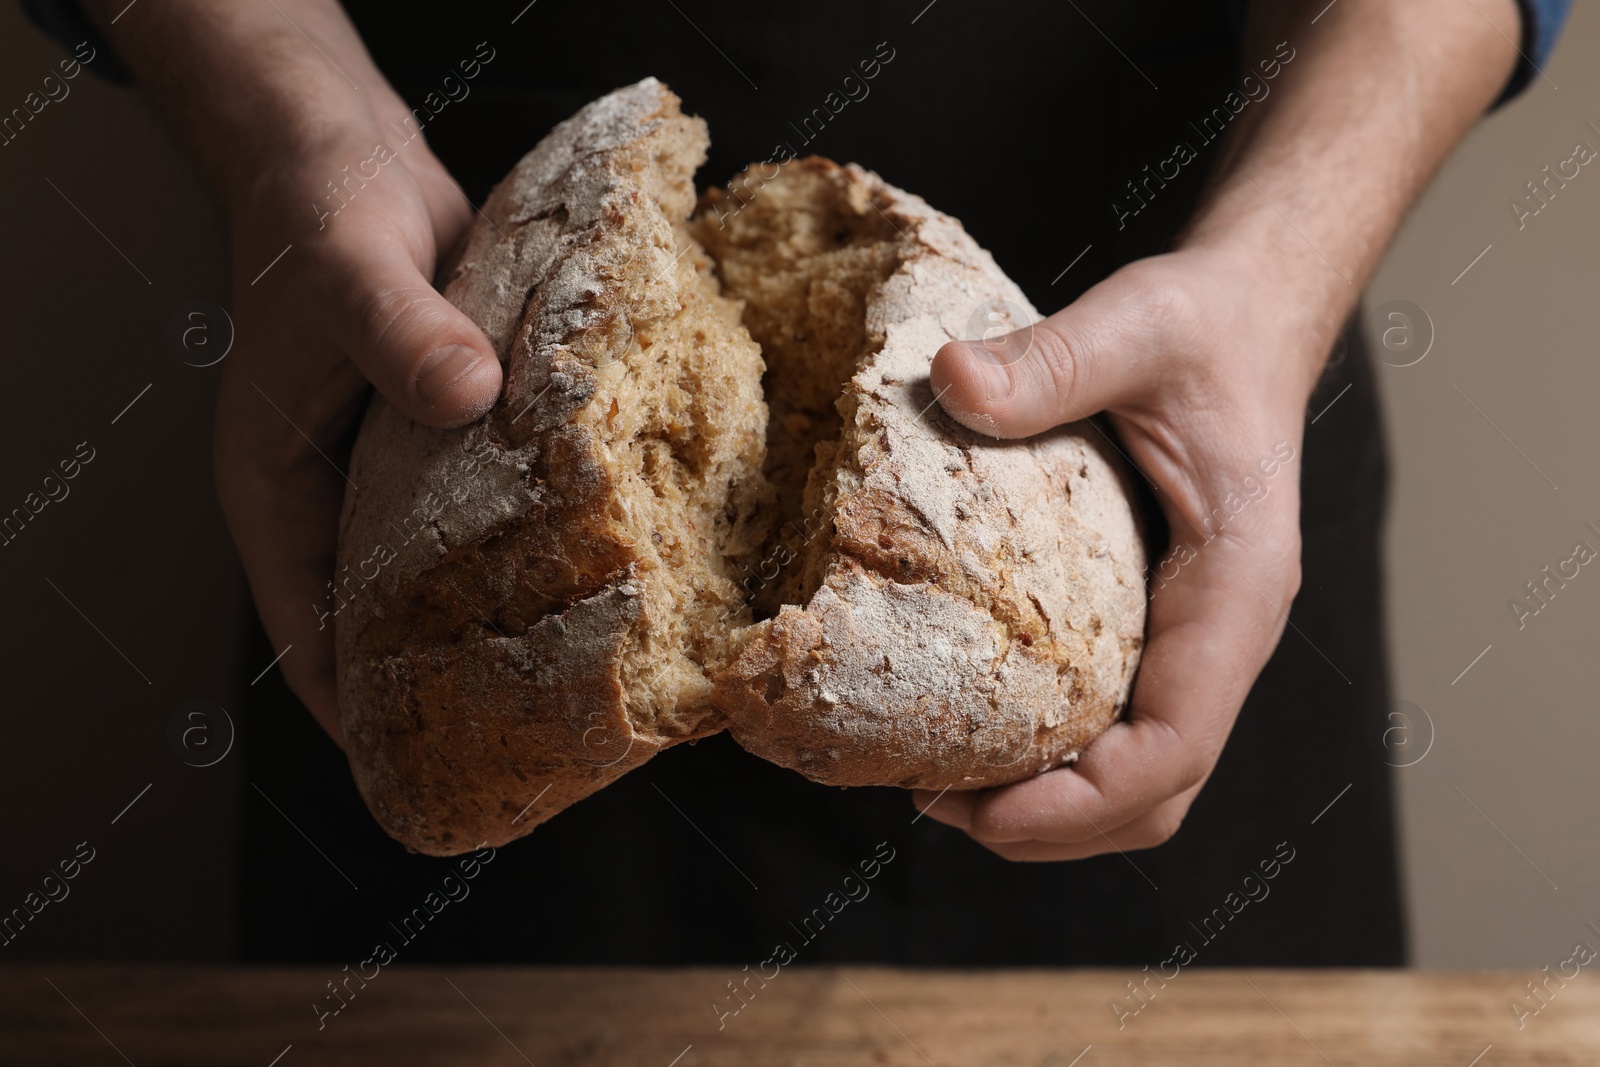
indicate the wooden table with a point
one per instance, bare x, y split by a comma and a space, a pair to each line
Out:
87, 1016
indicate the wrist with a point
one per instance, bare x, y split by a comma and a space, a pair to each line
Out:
1298, 290
261, 92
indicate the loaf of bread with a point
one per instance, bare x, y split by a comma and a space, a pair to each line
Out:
717, 492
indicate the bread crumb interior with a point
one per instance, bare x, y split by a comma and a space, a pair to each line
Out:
801, 252
723, 421
680, 412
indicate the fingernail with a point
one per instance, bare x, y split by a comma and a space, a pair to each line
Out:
443, 368
994, 370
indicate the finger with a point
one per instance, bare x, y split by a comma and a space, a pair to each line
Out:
1096, 353
1150, 830
1144, 832
422, 353
1211, 631
950, 808
448, 206
281, 498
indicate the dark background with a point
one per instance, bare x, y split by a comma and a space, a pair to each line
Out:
140, 548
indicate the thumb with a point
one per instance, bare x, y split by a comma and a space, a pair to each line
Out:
1067, 367
422, 353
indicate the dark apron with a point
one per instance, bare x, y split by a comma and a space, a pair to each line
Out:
1024, 121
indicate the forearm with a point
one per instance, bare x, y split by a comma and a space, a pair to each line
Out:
251, 87
1314, 179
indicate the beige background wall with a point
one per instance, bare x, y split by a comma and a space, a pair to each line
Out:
1472, 521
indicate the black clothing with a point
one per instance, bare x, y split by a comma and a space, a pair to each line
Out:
1027, 122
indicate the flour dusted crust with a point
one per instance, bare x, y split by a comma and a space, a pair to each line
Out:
531, 606
525, 637
981, 611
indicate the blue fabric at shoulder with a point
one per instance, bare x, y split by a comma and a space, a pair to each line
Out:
1541, 25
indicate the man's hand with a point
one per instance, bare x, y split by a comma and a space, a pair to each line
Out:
1205, 358
1201, 387
334, 245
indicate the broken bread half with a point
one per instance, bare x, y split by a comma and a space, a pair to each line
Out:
717, 493
961, 612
